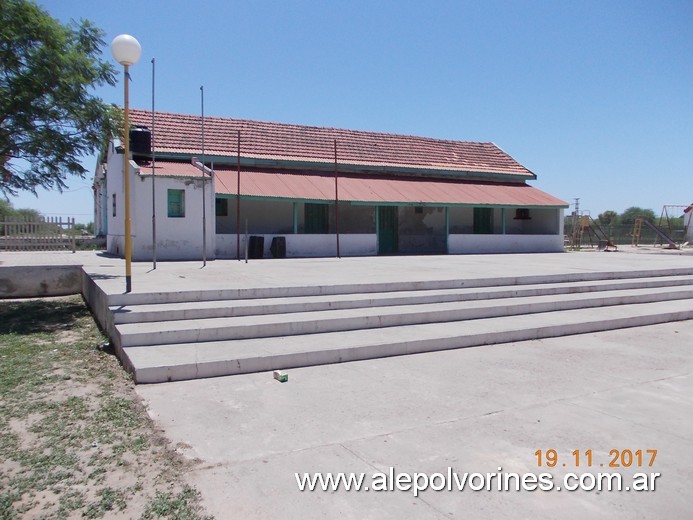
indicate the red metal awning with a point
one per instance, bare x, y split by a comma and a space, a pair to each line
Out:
378, 190
364, 189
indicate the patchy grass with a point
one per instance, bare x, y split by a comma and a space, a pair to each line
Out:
75, 439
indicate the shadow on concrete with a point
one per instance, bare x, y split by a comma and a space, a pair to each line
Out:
102, 276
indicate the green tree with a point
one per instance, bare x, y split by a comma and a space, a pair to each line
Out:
27, 214
8, 212
629, 215
6, 209
49, 117
608, 218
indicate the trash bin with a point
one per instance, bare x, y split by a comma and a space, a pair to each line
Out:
256, 247
278, 247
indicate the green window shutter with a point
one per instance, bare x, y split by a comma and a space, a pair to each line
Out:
176, 203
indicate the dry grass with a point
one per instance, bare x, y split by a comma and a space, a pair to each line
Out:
75, 440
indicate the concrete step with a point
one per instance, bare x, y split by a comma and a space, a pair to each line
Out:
301, 323
173, 296
196, 360
195, 310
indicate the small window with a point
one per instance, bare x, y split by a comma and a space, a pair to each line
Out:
176, 203
222, 207
522, 214
114, 204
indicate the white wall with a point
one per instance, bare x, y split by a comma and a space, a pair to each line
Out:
177, 238
470, 244
100, 202
541, 222
300, 246
115, 243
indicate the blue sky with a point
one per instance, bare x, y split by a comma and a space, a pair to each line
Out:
595, 97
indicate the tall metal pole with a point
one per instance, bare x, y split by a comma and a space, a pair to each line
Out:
238, 198
153, 174
126, 172
336, 198
126, 50
204, 181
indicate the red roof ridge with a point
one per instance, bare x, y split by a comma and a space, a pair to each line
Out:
181, 133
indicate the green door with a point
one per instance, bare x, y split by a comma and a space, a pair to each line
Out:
387, 230
316, 218
483, 221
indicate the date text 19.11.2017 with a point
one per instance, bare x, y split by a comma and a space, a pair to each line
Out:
584, 458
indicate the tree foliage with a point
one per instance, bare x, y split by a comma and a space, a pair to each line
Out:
49, 117
628, 217
607, 218
9, 212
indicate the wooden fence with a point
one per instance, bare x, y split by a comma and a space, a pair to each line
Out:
43, 234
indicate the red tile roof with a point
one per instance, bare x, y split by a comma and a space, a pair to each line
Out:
179, 133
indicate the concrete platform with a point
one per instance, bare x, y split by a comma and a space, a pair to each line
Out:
201, 332
173, 277
474, 410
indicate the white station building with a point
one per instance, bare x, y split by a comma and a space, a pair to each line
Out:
302, 191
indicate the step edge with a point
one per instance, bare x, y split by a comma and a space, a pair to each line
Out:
272, 362
343, 324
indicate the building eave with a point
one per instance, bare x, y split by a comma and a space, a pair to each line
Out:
293, 164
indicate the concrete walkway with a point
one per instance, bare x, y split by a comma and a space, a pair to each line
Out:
474, 410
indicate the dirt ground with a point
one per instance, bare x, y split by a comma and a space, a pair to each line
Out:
75, 439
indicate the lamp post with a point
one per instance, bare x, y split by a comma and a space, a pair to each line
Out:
126, 50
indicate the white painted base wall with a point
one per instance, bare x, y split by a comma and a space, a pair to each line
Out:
301, 246
165, 249
471, 244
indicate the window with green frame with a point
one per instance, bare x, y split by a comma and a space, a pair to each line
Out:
221, 208
176, 203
